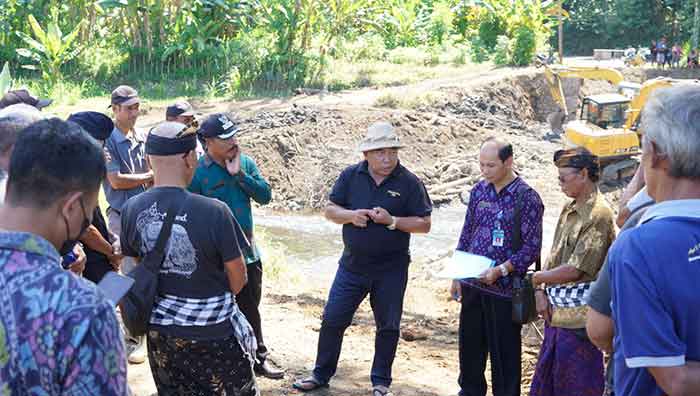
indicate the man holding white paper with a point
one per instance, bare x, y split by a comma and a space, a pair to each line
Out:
497, 204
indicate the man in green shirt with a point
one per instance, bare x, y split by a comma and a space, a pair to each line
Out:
225, 173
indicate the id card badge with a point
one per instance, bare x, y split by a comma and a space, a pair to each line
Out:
497, 238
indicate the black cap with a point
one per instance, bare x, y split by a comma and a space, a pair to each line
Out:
219, 125
98, 125
124, 95
23, 96
182, 108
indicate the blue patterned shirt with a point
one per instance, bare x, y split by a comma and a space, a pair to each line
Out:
58, 333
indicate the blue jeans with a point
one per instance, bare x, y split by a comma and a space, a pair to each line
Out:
386, 292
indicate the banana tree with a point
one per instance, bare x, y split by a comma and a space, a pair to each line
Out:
50, 48
5, 79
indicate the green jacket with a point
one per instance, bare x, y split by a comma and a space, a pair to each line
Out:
214, 181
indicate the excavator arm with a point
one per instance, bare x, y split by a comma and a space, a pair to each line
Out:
648, 87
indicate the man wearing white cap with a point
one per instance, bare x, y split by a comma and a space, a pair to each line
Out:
380, 204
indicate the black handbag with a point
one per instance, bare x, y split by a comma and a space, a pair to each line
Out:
524, 305
137, 304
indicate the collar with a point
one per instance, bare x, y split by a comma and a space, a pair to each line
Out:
120, 137
29, 243
587, 207
207, 160
510, 188
364, 168
688, 208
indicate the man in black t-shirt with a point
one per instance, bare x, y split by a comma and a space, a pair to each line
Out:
380, 204
195, 317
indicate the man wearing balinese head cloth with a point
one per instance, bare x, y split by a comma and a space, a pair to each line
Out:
569, 364
198, 340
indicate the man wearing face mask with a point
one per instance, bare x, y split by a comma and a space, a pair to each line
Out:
57, 327
225, 173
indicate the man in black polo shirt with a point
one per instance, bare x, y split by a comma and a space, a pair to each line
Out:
380, 204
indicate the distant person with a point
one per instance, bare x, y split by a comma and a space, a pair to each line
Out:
676, 55
380, 204
486, 327
661, 53
653, 52
584, 232
654, 268
183, 113
128, 175
693, 59
60, 335
23, 96
101, 247
199, 342
230, 175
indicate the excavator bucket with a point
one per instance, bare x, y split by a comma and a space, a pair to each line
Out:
556, 121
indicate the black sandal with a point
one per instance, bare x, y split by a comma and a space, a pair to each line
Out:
308, 384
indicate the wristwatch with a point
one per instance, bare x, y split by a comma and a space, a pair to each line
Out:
392, 226
504, 270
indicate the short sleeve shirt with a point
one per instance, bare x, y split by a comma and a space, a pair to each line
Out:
376, 249
58, 333
203, 237
127, 156
654, 271
582, 238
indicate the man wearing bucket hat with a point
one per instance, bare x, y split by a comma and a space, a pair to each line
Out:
227, 174
380, 204
128, 174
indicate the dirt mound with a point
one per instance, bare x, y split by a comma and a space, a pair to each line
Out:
303, 150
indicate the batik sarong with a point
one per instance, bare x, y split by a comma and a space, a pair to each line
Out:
568, 365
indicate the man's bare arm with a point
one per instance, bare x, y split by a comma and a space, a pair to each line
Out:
679, 380
600, 330
126, 181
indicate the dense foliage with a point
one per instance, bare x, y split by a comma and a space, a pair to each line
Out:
251, 45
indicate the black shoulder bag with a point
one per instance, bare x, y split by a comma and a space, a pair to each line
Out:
137, 304
524, 308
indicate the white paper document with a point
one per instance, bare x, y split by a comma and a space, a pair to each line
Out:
464, 265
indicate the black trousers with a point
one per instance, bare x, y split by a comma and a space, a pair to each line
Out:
248, 300
485, 327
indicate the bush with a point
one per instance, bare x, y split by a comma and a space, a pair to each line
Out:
524, 46
404, 55
489, 30
502, 52
479, 51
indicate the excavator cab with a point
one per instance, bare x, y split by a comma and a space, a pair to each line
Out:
605, 111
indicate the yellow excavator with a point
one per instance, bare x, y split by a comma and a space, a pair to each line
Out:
608, 124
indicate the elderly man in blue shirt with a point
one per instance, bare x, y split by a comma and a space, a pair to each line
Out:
654, 269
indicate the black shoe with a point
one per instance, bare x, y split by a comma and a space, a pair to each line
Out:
268, 370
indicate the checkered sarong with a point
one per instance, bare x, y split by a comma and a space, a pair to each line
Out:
569, 296
170, 310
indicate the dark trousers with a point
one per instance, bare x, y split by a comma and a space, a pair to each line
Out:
248, 300
485, 327
386, 292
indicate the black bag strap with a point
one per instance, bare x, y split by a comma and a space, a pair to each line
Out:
165, 230
517, 237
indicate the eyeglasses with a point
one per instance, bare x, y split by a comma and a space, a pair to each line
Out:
564, 178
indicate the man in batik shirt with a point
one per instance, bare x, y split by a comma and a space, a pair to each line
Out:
58, 334
496, 205
569, 364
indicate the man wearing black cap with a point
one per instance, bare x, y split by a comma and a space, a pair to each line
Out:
199, 343
23, 96
128, 173
181, 112
230, 176
101, 247
13, 119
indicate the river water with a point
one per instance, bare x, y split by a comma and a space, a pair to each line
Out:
313, 244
